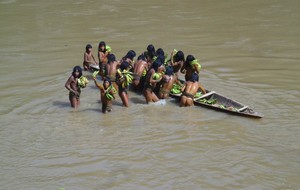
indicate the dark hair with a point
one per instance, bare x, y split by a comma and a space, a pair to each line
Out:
160, 51
142, 57
194, 77
179, 56
130, 54
156, 64
106, 80
169, 70
150, 48
124, 65
161, 58
190, 58
150, 51
77, 68
111, 58
88, 46
102, 43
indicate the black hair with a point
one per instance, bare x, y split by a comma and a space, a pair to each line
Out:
107, 81
190, 58
161, 58
77, 68
130, 54
111, 58
150, 51
88, 46
194, 77
142, 57
179, 56
150, 48
156, 64
169, 70
102, 43
124, 65
160, 51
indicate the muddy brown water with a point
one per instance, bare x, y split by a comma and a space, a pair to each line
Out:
249, 51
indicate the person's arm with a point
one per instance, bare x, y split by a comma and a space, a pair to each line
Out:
183, 68
94, 59
99, 57
102, 57
86, 60
151, 80
197, 68
97, 84
183, 87
68, 85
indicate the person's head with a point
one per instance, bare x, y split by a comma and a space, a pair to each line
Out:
189, 59
169, 70
111, 58
179, 56
150, 51
102, 46
156, 64
88, 47
106, 83
130, 54
194, 78
160, 51
150, 48
77, 72
124, 65
142, 57
161, 58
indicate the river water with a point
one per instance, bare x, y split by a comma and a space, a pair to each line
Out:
249, 51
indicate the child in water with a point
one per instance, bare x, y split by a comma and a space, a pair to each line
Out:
73, 87
107, 92
88, 58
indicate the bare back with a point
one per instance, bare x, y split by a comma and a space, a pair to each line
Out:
168, 81
191, 87
188, 94
139, 67
111, 68
167, 84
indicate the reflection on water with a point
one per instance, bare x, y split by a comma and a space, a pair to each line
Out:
248, 51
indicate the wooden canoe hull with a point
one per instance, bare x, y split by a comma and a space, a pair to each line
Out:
224, 104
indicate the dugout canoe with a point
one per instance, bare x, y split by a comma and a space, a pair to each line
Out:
219, 102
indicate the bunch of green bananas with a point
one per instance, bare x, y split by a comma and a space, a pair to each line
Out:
176, 89
95, 74
127, 75
212, 101
198, 94
108, 92
108, 48
82, 82
157, 76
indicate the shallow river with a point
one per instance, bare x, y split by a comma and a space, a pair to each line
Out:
249, 51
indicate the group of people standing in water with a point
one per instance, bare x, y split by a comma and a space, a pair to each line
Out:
153, 74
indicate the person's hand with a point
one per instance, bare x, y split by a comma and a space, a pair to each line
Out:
74, 92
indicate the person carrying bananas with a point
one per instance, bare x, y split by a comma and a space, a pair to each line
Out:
124, 78
107, 92
190, 66
139, 73
177, 61
103, 52
167, 82
129, 58
152, 78
111, 69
